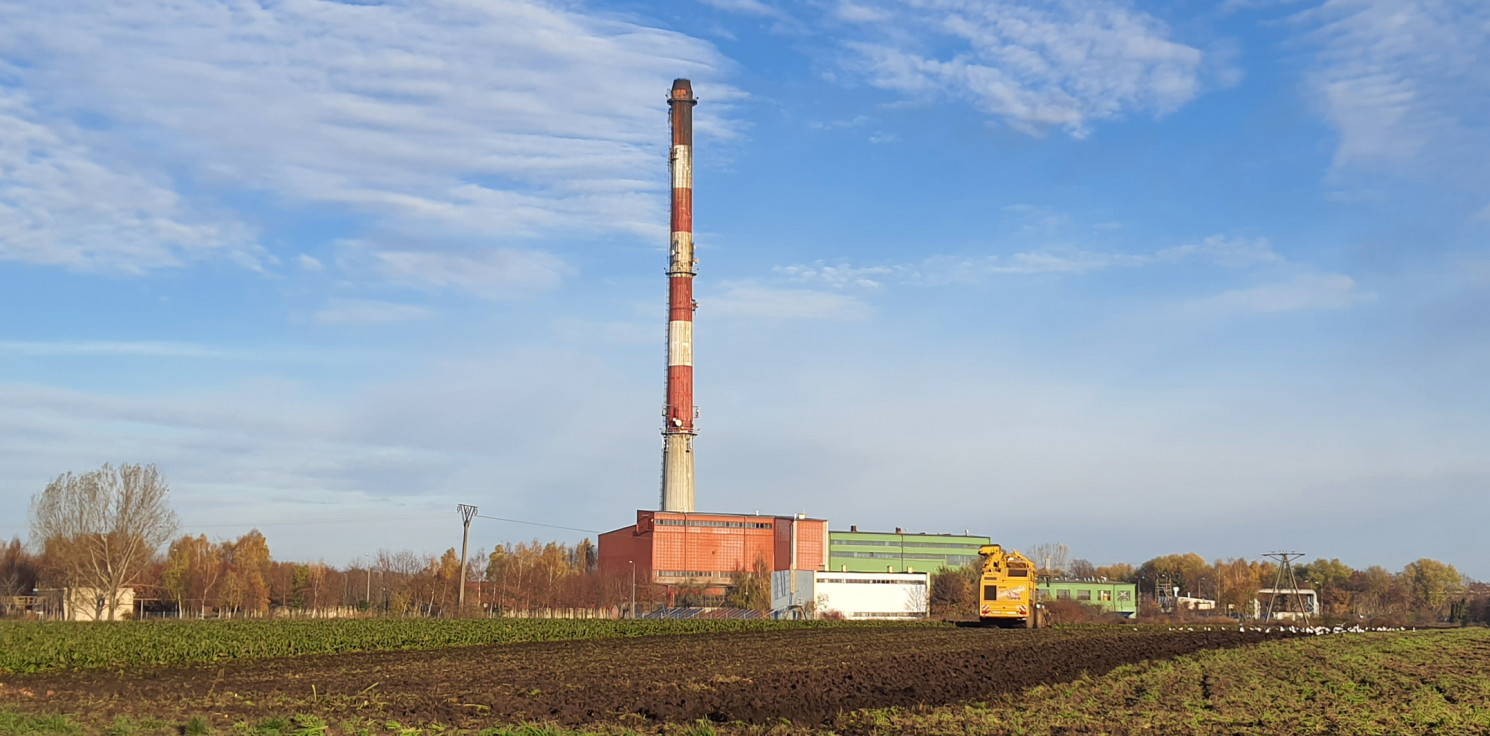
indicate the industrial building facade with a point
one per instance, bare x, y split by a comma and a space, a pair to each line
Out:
899, 552
1109, 595
680, 548
854, 595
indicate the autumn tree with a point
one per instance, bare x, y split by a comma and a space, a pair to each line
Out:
751, 590
245, 581
1236, 584
1119, 571
101, 529
1182, 571
192, 569
19, 571
1433, 585
951, 593
585, 557
1331, 580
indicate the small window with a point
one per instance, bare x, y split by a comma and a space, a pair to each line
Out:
1018, 572
1083, 595
990, 592
1063, 595
1125, 595
1104, 595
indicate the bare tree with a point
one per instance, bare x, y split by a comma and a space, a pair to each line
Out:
1049, 559
101, 529
1082, 569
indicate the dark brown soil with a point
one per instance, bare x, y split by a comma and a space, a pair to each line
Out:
805, 676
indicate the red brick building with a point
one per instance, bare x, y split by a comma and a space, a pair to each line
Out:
671, 548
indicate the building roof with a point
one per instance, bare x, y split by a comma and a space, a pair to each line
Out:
756, 515
909, 534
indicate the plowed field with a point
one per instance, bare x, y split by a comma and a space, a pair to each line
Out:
806, 676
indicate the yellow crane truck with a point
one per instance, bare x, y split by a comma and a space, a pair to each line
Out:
1007, 589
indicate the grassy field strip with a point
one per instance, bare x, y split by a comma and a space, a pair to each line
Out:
1425, 682
41, 646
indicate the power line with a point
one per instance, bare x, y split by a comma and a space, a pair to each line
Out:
534, 523
343, 520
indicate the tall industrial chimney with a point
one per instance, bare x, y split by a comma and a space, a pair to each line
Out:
677, 415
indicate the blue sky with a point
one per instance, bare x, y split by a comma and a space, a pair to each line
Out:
1138, 278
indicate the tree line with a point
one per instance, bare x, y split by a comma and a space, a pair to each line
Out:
112, 531
1424, 591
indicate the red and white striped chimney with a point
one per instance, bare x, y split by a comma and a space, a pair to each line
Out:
677, 415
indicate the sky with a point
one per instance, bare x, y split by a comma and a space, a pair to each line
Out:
1139, 278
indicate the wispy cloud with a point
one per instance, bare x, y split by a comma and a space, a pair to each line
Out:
745, 7
146, 349
1304, 292
765, 302
1034, 65
63, 203
492, 273
508, 120
944, 269
367, 311
1403, 81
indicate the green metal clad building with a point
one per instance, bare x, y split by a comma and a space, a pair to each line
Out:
897, 551
1109, 595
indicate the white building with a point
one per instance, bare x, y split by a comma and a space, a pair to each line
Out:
92, 604
1285, 604
855, 595
1186, 603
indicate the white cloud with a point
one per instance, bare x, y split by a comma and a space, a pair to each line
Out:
764, 302
309, 263
129, 348
1234, 253
491, 273
1303, 292
856, 13
509, 120
745, 7
945, 269
1404, 81
1035, 65
62, 204
366, 311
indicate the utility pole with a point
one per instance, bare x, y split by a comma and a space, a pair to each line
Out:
466, 514
1292, 597
633, 587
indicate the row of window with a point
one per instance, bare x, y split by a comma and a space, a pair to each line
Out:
902, 543
691, 574
725, 524
891, 555
1085, 594
891, 581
